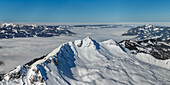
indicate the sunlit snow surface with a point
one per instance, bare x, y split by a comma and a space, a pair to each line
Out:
107, 65
88, 62
21, 50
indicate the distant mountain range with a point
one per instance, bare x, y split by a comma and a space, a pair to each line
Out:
150, 39
100, 26
10, 30
149, 31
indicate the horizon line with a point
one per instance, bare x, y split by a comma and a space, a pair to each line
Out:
74, 23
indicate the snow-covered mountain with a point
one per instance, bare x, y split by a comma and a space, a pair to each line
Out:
10, 30
149, 31
88, 62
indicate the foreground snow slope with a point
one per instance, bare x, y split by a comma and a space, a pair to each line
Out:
88, 62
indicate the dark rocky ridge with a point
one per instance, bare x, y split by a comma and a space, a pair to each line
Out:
156, 47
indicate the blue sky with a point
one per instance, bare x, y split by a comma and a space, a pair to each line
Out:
84, 11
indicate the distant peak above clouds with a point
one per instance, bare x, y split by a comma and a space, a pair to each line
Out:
10, 30
16, 25
149, 31
7, 24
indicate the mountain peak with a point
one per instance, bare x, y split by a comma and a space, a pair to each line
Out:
87, 42
13, 25
7, 24
149, 25
88, 39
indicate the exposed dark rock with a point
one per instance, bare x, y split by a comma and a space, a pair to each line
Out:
155, 47
1, 76
33, 61
1, 62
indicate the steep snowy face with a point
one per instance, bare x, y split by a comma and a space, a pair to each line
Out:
88, 62
149, 31
10, 30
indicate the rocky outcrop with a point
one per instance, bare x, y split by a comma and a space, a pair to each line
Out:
156, 47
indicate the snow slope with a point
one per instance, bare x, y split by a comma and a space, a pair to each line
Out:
88, 62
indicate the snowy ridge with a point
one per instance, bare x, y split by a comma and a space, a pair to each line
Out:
88, 62
6, 25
